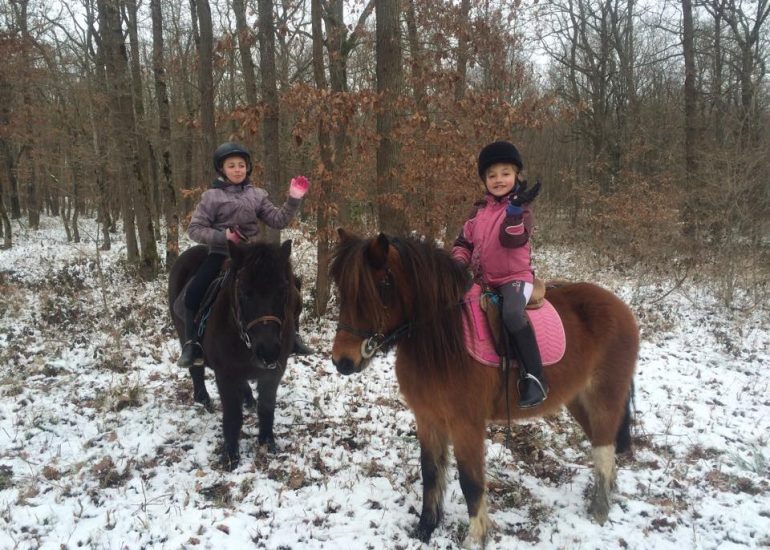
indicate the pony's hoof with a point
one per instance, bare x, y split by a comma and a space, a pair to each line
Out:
422, 533
599, 507
249, 402
204, 399
471, 543
478, 528
230, 462
268, 443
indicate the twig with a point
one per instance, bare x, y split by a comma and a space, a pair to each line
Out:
673, 288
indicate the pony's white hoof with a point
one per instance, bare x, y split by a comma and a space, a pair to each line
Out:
470, 544
600, 505
477, 530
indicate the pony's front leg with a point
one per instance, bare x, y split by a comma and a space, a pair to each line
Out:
200, 394
605, 473
231, 394
468, 441
267, 389
434, 444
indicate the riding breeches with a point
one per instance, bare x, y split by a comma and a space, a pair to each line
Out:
206, 273
515, 295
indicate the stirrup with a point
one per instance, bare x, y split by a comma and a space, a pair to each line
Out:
543, 390
197, 355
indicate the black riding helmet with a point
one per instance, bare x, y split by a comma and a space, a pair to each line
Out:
231, 149
499, 151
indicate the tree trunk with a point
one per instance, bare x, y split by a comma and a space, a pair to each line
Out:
690, 94
144, 147
170, 211
245, 42
392, 218
717, 83
28, 148
325, 184
464, 31
206, 82
7, 236
271, 156
125, 135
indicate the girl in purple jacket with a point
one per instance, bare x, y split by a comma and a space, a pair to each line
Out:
230, 211
494, 241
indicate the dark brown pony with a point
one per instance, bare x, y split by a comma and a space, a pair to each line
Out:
407, 293
249, 334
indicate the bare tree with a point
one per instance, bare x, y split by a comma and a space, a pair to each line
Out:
125, 138
690, 91
389, 84
20, 8
245, 41
271, 154
205, 43
164, 133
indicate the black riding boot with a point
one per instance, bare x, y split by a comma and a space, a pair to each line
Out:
192, 353
300, 347
532, 386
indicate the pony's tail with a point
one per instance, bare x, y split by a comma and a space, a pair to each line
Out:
623, 437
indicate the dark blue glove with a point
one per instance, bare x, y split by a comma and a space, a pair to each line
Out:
513, 209
524, 195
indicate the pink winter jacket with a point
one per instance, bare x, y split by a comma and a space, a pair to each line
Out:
224, 205
495, 245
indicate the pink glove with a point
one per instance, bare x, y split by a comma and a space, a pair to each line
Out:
234, 235
298, 187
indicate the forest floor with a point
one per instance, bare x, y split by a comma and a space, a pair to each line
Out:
101, 445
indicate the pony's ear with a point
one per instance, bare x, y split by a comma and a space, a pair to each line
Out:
344, 235
377, 251
286, 248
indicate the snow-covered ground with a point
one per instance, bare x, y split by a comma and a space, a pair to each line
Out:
102, 447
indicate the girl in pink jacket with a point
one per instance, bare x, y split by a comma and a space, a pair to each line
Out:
494, 241
229, 211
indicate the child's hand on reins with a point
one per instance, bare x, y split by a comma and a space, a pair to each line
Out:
234, 235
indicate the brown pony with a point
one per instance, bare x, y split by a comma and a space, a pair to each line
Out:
408, 293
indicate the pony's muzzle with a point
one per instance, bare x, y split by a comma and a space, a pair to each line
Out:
346, 366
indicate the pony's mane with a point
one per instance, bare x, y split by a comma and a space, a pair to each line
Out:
264, 260
438, 284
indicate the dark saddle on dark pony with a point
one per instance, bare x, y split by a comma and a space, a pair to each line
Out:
202, 315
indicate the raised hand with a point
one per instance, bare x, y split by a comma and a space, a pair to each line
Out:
298, 187
525, 195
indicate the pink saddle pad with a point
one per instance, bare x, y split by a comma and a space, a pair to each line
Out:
549, 331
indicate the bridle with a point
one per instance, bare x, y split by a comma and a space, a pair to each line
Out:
235, 309
374, 340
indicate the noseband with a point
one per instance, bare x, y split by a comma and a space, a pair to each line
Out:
373, 341
235, 308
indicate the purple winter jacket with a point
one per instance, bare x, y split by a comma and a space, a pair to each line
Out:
224, 205
496, 245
